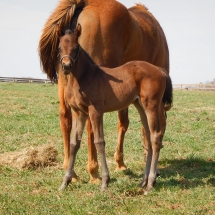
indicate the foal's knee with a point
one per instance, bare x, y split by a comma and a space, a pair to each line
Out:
156, 140
74, 147
100, 146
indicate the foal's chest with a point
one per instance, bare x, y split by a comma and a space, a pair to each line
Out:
76, 99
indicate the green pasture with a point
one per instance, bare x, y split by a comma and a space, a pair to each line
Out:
29, 117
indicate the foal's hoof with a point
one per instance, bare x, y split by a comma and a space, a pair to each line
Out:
62, 187
148, 188
105, 183
103, 188
151, 183
143, 183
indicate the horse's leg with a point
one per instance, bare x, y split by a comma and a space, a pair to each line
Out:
156, 135
96, 118
65, 125
92, 156
145, 146
145, 143
123, 123
78, 123
143, 117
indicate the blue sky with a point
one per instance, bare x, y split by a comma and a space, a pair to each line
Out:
189, 27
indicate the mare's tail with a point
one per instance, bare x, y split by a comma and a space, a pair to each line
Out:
168, 97
64, 16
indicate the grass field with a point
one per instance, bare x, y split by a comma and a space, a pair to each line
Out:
29, 117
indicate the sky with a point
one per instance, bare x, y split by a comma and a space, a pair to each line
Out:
189, 26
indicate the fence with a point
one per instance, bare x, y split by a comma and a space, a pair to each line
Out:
24, 80
206, 87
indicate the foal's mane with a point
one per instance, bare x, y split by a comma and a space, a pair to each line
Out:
62, 17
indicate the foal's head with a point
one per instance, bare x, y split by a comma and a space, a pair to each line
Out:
69, 49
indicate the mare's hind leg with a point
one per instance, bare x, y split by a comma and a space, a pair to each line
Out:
92, 156
123, 123
78, 124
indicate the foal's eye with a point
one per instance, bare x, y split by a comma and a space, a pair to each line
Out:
59, 49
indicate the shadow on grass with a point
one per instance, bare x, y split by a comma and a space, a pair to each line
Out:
187, 173
183, 173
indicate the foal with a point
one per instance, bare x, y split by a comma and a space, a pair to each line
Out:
92, 90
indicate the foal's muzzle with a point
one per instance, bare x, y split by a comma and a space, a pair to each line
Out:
66, 64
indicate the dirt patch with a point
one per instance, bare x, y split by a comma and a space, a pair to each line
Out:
31, 158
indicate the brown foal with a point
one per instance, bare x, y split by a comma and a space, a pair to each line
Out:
92, 90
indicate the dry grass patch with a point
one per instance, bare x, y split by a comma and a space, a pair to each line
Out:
30, 158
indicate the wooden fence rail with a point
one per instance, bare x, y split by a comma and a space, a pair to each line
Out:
24, 80
206, 87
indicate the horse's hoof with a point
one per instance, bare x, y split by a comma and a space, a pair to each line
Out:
119, 161
95, 179
120, 168
145, 192
143, 183
148, 189
62, 187
103, 188
74, 177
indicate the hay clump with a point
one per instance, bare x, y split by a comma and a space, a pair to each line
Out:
31, 158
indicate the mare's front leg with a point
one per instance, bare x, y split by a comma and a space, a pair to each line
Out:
96, 117
123, 123
78, 123
93, 166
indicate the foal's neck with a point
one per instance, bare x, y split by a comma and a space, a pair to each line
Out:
84, 66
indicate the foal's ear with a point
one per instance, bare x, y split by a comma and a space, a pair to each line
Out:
78, 29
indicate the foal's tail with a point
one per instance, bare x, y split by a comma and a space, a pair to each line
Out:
168, 97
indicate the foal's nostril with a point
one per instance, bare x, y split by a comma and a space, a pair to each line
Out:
66, 66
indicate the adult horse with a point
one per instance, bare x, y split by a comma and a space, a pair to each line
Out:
137, 36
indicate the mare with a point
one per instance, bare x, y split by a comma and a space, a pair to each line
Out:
92, 90
112, 35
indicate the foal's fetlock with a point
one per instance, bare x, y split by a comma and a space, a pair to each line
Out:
66, 180
150, 185
105, 182
64, 185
